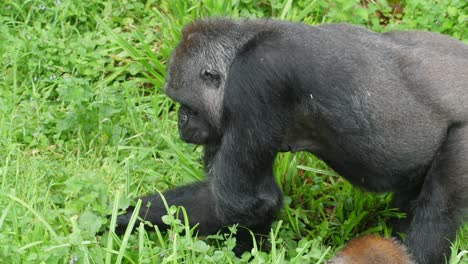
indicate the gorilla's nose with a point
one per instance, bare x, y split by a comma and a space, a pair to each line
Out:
183, 120
183, 116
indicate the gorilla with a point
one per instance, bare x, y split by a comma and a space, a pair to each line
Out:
389, 112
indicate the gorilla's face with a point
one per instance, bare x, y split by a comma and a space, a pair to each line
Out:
198, 85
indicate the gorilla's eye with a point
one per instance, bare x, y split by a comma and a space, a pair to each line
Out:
210, 76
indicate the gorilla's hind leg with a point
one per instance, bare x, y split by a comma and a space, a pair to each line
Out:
403, 201
196, 198
437, 211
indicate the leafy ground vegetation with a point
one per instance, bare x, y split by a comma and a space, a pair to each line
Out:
84, 128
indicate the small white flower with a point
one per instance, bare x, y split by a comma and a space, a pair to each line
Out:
73, 259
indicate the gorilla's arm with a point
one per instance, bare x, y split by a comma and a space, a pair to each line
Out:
240, 186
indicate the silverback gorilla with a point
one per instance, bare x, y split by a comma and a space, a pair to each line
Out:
389, 112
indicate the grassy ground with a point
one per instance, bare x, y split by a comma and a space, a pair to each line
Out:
84, 128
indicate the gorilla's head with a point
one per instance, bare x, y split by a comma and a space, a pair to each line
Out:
196, 76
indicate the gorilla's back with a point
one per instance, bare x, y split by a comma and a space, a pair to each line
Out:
436, 66
405, 89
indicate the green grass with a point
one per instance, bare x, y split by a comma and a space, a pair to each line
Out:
84, 128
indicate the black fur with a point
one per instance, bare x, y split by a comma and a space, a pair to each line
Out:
388, 111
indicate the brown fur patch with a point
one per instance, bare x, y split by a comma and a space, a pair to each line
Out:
194, 27
373, 250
